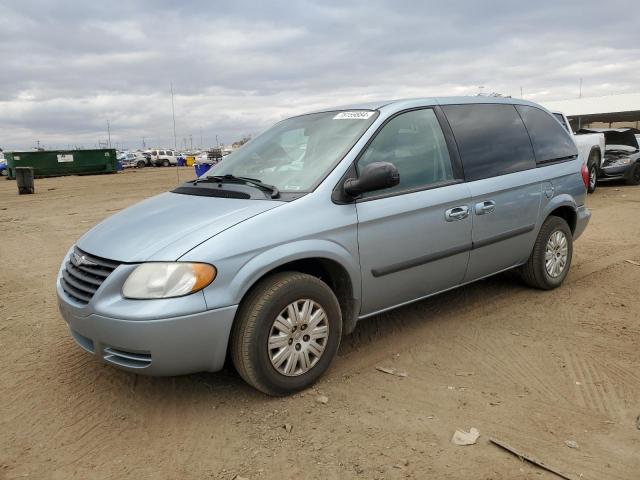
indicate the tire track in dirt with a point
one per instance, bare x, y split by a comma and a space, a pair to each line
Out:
601, 386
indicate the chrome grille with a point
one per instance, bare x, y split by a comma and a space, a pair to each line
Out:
84, 273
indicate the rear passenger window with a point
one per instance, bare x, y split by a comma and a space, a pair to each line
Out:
491, 139
415, 144
550, 141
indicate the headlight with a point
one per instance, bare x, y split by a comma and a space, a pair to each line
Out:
167, 279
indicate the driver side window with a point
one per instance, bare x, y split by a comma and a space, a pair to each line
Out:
414, 143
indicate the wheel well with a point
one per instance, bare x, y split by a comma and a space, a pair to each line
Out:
334, 275
594, 154
569, 215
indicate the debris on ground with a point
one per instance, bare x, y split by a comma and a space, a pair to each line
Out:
288, 427
571, 444
529, 458
638, 422
633, 262
464, 374
392, 371
462, 437
323, 399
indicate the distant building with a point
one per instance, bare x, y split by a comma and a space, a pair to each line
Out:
614, 111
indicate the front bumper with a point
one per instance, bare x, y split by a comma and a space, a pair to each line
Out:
168, 346
582, 220
616, 172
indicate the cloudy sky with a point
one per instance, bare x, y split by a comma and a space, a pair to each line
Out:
68, 67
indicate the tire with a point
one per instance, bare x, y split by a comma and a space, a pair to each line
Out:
166, 163
4, 172
255, 328
634, 178
141, 164
535, 272
593, 177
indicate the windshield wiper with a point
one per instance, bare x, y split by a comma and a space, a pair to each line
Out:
273, 190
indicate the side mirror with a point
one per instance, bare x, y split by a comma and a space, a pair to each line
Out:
375, 176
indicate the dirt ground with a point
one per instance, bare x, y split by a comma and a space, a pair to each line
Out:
534, 369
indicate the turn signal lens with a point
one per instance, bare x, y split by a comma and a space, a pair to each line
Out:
167, 279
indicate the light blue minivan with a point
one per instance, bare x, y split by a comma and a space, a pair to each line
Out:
323, 220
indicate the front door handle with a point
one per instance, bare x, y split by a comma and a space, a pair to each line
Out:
485, 207
456, 213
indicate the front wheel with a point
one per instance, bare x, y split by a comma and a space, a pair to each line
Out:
286, 333
141, 164
550, 260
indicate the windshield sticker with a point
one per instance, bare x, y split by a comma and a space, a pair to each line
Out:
361, 115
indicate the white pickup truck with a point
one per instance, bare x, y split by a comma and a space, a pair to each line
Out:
591, 147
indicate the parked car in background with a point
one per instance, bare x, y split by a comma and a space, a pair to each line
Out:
164, 158
3, 166
622, 154
591, 147
269, 259
132, 159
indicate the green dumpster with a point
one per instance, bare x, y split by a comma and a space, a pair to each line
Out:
55, 163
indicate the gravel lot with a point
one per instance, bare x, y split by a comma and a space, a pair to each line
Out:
534, 369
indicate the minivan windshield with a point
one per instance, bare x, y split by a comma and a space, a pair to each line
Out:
296, 154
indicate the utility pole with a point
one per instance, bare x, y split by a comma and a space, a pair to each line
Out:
580, 92
144, 145
173, 113
217, 142
191, 141
521, 94
201, 142
175, 139
109, 132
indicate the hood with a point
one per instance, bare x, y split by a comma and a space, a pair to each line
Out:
615, 137
165, 227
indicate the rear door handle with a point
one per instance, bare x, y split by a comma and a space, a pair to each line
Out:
456, 213
485, 207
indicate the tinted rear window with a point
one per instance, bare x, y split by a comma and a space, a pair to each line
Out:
491, 139
550, 141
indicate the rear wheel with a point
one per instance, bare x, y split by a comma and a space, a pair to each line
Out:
550, 260
634, 179
286, 333
593, 178
166, 163
141, 164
